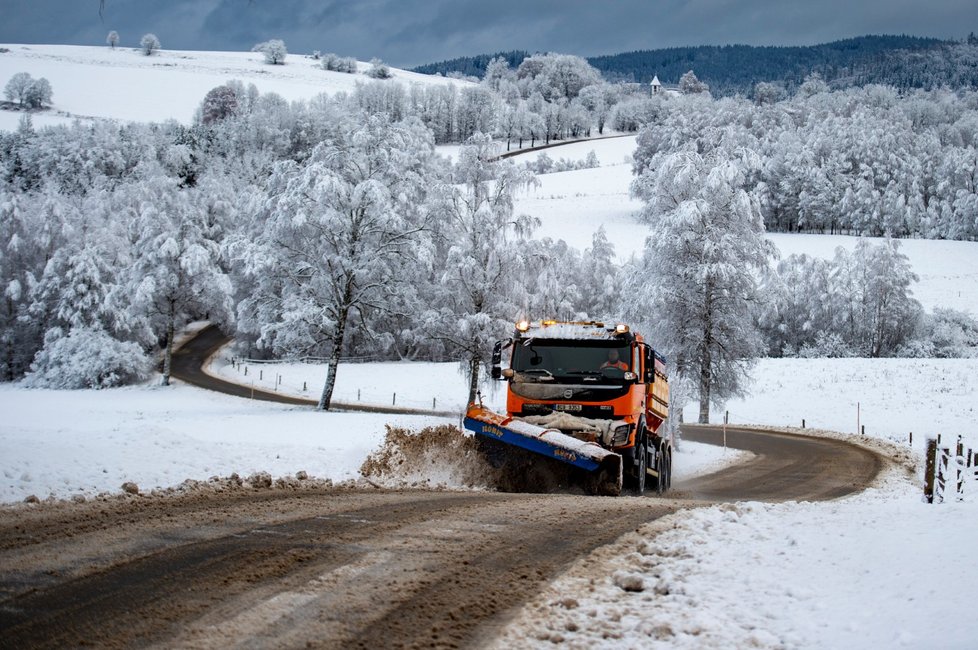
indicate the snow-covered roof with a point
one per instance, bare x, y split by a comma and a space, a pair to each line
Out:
558, 330
655, 81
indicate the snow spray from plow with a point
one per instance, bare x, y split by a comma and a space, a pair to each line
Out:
444, 457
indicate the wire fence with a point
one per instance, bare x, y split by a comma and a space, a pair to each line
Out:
266, 378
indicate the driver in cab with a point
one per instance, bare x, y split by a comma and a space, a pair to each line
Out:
613, 361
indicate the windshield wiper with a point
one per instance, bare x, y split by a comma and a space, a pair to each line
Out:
590, 373
533, 371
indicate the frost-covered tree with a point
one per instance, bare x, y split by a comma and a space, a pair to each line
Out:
274, 51
338, 232
601, 278
556, 76
813, 85
112, 39
799, 304
698, 279
17, 88
877, 312
378, 70
690, 85
219, 103
177, 270
26, 239
477, 109
766, 92
38, 93
149, 44
478, 285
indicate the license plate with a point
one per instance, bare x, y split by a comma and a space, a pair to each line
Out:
567, 407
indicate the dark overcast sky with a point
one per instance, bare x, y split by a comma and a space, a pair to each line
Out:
410, 32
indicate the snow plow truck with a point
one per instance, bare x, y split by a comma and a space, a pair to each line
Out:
585, 395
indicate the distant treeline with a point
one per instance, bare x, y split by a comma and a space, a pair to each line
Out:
900, 61
472, 66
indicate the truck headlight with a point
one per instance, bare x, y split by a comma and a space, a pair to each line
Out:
621, 435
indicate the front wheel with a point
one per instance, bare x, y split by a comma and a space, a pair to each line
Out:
640, 469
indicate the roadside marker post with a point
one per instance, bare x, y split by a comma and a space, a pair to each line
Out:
726, 418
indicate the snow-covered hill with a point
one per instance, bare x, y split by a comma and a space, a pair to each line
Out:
572, 205
124, 84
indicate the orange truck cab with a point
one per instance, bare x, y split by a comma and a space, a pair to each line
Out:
597, 384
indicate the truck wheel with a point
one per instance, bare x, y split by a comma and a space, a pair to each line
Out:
660, 468
643, 455
669, 470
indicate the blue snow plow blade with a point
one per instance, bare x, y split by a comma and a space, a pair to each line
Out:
546, 442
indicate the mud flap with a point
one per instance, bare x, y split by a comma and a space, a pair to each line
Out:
602, 468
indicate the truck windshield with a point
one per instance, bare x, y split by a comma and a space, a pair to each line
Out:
549, 360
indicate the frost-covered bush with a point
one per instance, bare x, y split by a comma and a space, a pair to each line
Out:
112, 39
336, 63
149, 44
274, 51
86, 358
945, 334
544, 164
378, 70
826, 344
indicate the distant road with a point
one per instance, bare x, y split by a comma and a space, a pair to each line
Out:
188, 365
561, 143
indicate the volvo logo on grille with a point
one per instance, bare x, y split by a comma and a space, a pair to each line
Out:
568, 394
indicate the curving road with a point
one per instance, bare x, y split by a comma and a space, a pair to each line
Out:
337, 568
188, 365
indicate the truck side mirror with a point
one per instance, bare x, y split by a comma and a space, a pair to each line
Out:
649, 365
497, 359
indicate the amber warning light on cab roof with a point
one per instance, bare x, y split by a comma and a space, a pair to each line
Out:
524, 325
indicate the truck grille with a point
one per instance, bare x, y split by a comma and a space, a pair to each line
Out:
594, 412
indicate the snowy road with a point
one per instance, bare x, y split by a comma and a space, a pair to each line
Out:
283, 567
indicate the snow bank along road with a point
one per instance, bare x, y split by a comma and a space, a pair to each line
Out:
286, 567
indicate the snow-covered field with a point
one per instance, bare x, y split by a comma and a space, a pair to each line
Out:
124, 84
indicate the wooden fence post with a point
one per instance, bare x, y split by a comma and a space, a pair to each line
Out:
959, 468
931, 469
943, 456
